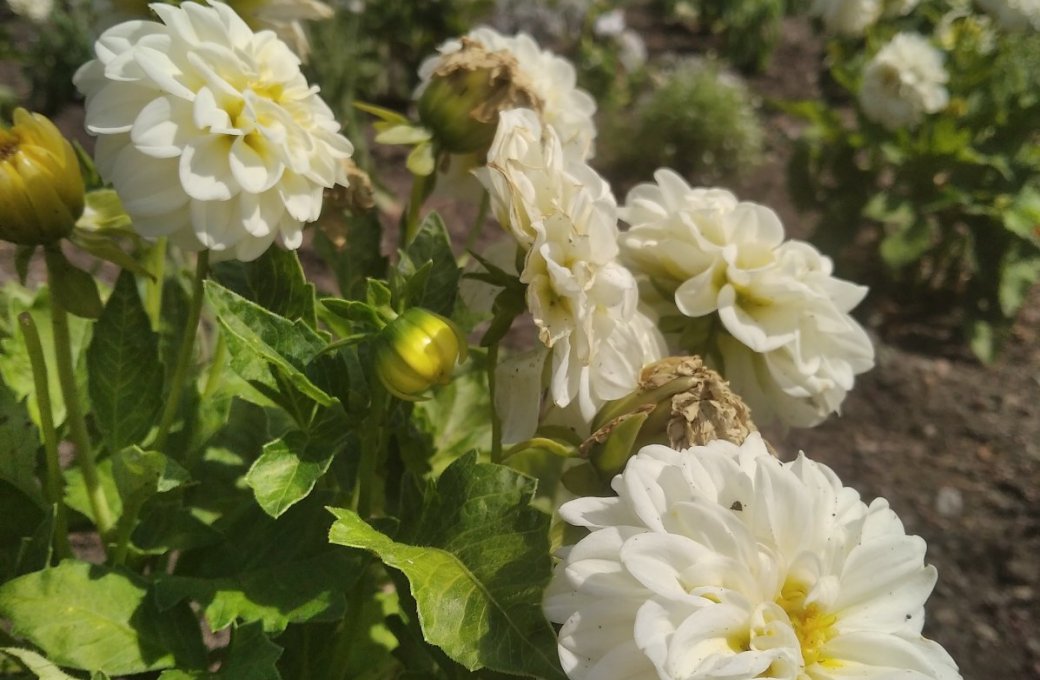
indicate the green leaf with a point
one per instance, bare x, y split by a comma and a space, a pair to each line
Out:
76, 489
252, 656
309, 589
287, 469
19, 444
275, 281
36, 664
125, 377
431, 244
907, 245
140, 474
91, 617
76, 289
266, 349
1018, 273
15, 368
457, 418
477, 558
1023, 216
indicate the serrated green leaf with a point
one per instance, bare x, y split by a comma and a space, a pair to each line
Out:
36, 664
266, 349
431, 244
125, 377
19, 445
287, 470
90, 617
275, 281
476, 556
457, 418
251, 656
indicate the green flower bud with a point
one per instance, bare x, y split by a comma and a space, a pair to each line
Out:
460, 105
417, 350
41, 189
679, 403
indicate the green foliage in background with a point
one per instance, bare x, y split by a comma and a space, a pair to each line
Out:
748, 30
954, 203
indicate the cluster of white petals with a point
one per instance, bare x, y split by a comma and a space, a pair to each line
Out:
552, 79
787, 343
36, 11
721, 562
209, 132
1014, 15
850, 18
904, 81
583, 301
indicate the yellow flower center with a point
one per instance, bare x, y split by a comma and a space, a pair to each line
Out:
812, 626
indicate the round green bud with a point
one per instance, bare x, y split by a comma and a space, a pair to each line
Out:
417, 350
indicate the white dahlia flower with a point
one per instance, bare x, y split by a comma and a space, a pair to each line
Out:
721, 562
847, 17
1014, 15
209, 132
581, 298
903, 82
782, 333
551, 80
36, 11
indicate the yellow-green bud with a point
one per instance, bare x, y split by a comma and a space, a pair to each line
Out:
460, 105
41, 189
417, 350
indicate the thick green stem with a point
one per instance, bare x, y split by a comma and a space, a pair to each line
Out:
154, 287
373, 443
184, 354
124, 528
55, 483
496, 422
74, 412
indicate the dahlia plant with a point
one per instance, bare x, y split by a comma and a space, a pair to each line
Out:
213, 468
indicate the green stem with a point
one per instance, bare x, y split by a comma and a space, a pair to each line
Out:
184, 354
124, 528
373, 444
216, 368
154, 287
556, 448
496, 422
55, 483
74, 412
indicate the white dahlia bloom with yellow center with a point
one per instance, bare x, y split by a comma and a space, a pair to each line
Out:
721, 562
904, 81
768, 310
582, 299
209, 132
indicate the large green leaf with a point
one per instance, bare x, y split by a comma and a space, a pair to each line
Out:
268, 350
19, 444
94, 618
275, 281
125, 377
250, 656
288, 468
477, 558
457, 418
432, 245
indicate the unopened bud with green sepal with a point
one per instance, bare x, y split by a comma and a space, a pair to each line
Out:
41, 188
416, 351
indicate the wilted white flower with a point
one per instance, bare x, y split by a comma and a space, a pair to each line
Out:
903, 82
36, 11
284, 17
1014, 15
550, 78
847, 17
784, 336
722, 562
582, 300
209, 132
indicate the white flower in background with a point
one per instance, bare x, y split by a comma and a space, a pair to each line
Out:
581, 298
284, 17
847, 17
1014, 15
903, 82
36, 11
900, 8
784, 335
552, 79
209, 132
721, 562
